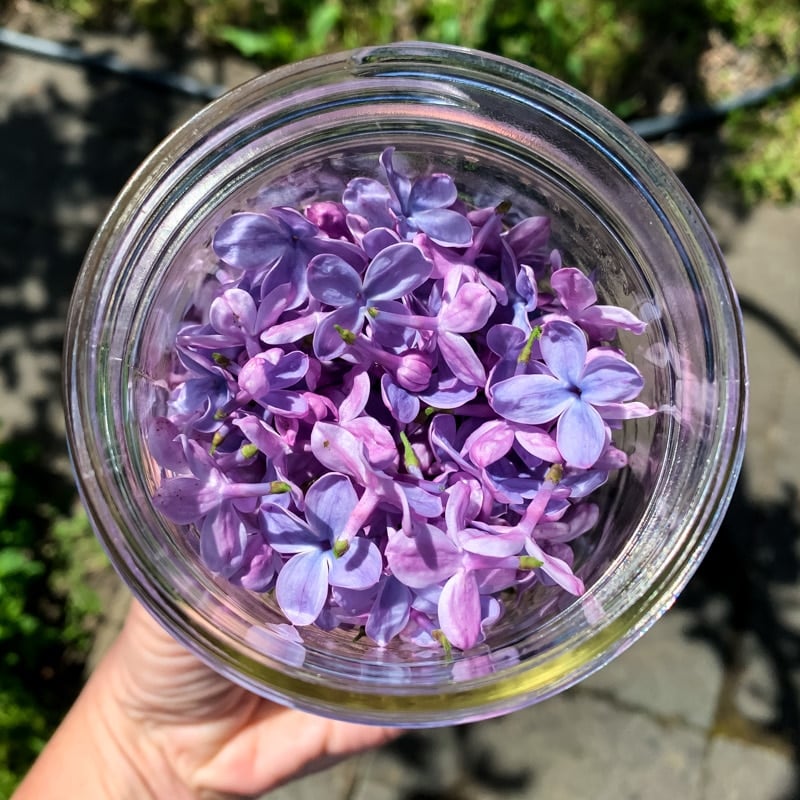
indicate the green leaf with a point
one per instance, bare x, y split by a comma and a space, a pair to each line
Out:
14, 561
322, 22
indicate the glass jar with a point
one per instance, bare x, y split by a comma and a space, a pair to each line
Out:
505, 132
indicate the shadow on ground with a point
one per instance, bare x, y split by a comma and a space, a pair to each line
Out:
64, 154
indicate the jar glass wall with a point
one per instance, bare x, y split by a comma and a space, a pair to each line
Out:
507, 134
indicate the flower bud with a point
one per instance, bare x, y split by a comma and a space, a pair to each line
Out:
414, 372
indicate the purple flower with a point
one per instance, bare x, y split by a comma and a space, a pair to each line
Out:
375, 410
577, 295
528, 241
186, 499
281, 241
465, 311
266, 377
393, 273
571, 392
421, 205
315, 561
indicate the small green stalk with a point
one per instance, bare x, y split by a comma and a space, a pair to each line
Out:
525, 354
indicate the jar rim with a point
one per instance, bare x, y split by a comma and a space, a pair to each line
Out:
122, 262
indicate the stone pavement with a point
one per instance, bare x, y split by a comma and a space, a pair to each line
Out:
705, 707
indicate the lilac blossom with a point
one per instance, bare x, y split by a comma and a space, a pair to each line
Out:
570, 393
387, 408
420, 205
466, 311
394, 272
281, 241
316, 561
576, 293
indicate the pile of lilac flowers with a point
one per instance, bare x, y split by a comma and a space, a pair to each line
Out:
392, 409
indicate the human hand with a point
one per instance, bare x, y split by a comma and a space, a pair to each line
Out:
154, 722
209, 737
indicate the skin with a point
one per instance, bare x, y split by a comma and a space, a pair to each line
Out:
153, 722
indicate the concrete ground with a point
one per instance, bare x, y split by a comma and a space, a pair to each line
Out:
704, 707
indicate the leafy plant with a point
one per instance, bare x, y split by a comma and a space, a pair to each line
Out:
47, 552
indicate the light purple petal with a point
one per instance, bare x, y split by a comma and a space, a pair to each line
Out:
329, 503
525, 286
369, 199
531, 399
575, 291
390, 611
286, 403
604, 321
251, 241
399, 183
333, 281
258, 565
395, 272
287, 368
608, 379
200, 462
494, 580
354, 403
460, 610
461, 358
497, 545
299, 225
623, 410
506, 341
580, 435
263, 436
539, 443
446, 390
433, 191
378, 239
233, 313
340, 451
302, 586
564, 350
327, 342
448, 228
556, 569
254, 377
469, 310
379, 446
489, 442
403, 405
425, 504
528, 239
359, 567
584, 482
582, 519
389, 334
286, 533
423, 559
354, 602
165, 446
292, 330
183, 500
464, 500
272, 306
223, 537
